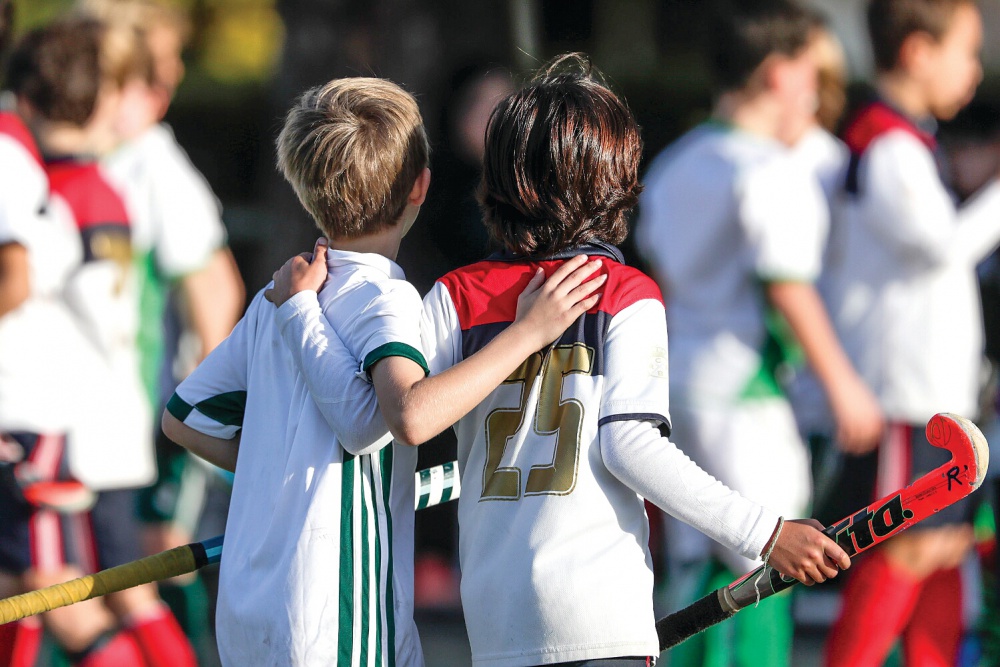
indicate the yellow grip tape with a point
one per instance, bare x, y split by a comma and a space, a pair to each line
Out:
179, 560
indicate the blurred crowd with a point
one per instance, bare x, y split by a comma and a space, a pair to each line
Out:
826, 252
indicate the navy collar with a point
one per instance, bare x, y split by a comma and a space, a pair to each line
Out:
592, 249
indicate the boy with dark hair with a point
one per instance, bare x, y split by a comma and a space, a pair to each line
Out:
556, 461
321, 519
734, 229
67, 77
901, 285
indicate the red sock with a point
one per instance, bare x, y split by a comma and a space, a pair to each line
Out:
877, 602
19, 643
121, 649
162, 641
933, 635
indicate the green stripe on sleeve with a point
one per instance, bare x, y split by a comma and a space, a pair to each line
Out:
179, 408
395, 349
227, 408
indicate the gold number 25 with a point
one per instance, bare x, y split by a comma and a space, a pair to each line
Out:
563, 418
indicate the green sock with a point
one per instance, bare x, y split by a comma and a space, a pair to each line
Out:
755, 637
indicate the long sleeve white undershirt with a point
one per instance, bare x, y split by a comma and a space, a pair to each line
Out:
641, 458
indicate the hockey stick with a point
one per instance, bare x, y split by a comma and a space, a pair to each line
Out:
859, 532
434, 486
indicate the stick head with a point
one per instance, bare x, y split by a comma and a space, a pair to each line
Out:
968, 447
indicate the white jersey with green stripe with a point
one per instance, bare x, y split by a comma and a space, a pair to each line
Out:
319, 542
724, 212
176, 227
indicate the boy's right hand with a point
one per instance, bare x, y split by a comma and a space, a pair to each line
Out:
546, 309
305, 271
805, 553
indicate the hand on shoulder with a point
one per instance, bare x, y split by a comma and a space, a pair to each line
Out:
305, 271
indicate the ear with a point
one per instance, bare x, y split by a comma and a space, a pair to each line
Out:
914, 49
420, 186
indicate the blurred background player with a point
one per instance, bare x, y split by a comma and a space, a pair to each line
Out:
734, 229
816, 149
37, 494
190, 293
183, 264
68, 79
901, 286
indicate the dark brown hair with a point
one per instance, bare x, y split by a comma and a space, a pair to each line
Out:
745, 32
890, 22
352, 150
562, 163
57, 69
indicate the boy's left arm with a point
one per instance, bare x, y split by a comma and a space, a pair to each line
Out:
854, 406
14, 276
219, 452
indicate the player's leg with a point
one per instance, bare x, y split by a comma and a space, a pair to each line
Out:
40, 547
884, 588
934, 633
768, 462
140, 611
741, 445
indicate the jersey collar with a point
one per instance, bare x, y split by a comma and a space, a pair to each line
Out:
381, 263
592, 249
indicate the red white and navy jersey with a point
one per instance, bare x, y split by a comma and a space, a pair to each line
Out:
35, 340
538, 502
899, 278
111, 445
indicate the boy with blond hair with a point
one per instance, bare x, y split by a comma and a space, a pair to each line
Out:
900, 281
319, 542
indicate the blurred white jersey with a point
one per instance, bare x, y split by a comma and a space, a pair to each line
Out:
900, 278
39, 339
724, 211
176, 227
112, 440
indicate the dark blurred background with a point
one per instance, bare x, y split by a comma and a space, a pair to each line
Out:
247, 60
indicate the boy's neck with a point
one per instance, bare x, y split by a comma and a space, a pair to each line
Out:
385, 243
904, 93
62, 139
754, 113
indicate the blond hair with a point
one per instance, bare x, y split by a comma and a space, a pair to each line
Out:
124, 55
352, 150
831, 70
142, 15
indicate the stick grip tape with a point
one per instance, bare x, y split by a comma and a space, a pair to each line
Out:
172, 563
706, 612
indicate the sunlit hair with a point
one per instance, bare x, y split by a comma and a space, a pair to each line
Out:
140, 14
352, 150
125, 55
744, 33
890, 22
831, 71
57, 69
561, 166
